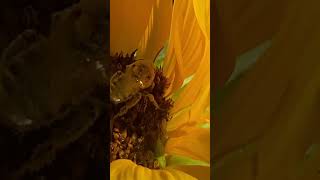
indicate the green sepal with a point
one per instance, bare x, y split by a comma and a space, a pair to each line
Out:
162, 161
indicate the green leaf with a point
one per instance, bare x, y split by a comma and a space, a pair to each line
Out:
160, 58
177, 93
176, 160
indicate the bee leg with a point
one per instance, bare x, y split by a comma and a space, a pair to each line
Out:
129, 104
115, 78
151, 99
152, 85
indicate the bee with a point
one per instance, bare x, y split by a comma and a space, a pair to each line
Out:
128, 86
137, 76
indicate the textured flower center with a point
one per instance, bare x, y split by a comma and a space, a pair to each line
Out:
138, 124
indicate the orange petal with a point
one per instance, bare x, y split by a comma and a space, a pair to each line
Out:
184, 141
157, 31
128, 21
189, 53
126, 169
144, 26
186, 44
196, 95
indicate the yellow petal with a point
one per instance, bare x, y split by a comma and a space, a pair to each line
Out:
202, 12
126, 169
187, 43
184, 141
196, 95
199, 172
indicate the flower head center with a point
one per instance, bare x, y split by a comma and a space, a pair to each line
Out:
138, 123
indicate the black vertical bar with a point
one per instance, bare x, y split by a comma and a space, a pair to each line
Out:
213, 62
108, 138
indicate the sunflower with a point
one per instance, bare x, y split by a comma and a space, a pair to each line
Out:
265, 123
182, 28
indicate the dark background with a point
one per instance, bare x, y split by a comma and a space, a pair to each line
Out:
66, 155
